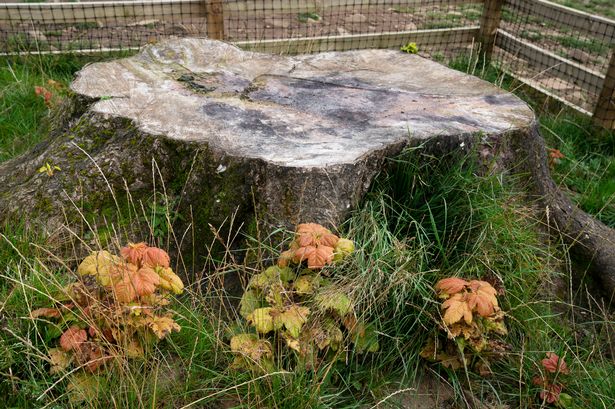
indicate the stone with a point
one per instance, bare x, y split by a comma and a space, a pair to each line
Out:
277, 22
231, 134
355, 19
37, 36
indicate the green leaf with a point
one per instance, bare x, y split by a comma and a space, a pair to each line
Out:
367, 340
249, 302
306, 284
333, 300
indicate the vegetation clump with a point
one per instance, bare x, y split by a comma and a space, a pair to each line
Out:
294, 308
114, 310
471, 318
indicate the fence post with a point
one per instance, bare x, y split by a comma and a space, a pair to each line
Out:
489, 23
604, 114
214, 10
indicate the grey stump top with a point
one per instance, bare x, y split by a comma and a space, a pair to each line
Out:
296, 111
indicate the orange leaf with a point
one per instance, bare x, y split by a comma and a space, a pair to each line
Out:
133, 253
140, 283
285, 258
122, 285
312, 234
482, 298
319, 258
451, 285
155, 257
302, 253
457, 308
73, 338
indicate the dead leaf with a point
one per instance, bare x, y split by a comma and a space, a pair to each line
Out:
249, 345
451, 285
162, 326
46, 312
60, 360
456, 308
72, 338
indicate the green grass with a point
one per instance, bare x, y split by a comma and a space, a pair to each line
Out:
424, 219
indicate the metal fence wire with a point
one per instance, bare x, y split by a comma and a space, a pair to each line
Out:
564, 53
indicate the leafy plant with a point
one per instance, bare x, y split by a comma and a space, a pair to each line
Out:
113, 311
471, 316
299, 309
49, 169
305, 17
551, 386
410, 48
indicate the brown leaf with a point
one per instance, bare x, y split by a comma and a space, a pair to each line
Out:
73, 338
456, 308
451, 285
46, 312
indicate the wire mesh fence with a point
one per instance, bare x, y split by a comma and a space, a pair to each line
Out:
564, 53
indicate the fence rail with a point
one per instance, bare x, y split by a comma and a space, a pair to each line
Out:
565, 53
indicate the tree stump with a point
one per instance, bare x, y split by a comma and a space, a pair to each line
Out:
232, 134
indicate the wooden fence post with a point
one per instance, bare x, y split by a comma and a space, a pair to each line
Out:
489, 23
214, 10
604, 114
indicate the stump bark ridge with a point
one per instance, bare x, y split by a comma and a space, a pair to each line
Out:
229, 132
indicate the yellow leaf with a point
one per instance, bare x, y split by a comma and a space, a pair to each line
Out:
250, 346
306, 284
162, 326
292, 318
343, 249
169, 280
261, 319
456, 308
60, 360
99, 264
